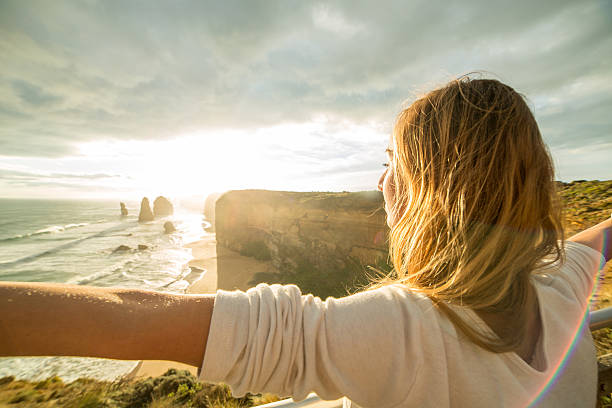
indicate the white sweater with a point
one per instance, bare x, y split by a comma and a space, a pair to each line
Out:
392, 348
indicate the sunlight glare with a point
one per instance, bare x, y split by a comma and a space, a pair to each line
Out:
277, 157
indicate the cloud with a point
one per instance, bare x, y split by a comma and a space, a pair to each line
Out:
7, 174
32, 94
112, 70
19, 183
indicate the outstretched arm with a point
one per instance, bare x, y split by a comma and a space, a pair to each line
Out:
598, 237
46, 319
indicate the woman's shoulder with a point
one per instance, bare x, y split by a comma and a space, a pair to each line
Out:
391, 293
575, 274
393, 303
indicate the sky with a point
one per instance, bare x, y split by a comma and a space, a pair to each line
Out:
120, 99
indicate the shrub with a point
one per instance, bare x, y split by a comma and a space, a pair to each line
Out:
257, 250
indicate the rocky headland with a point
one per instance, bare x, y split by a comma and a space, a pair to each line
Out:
209, 209
321, 241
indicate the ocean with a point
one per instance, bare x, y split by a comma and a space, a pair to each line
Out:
75, 242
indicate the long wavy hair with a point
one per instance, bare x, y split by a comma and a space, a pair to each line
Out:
476, 202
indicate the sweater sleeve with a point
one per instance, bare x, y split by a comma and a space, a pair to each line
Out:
274, 339
581, 268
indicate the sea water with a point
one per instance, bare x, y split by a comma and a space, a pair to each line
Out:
76, 242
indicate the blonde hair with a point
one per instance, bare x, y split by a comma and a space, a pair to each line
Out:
476, 203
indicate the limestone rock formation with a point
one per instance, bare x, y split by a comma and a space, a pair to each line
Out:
209, 209
122, 248
162, 207
298, 233
169, 227
124, 211
145, 211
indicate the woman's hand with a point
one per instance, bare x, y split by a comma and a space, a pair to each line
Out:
46, 319
598, 237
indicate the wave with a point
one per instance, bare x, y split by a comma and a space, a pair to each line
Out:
94, 276
184, 281
72, 243
3, 224
49, 230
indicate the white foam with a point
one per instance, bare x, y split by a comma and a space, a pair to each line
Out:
57, 228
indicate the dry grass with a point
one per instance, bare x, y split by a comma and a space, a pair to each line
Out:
173, 389
587, 203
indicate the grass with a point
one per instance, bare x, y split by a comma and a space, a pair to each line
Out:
175, 388
328, 201
585, 204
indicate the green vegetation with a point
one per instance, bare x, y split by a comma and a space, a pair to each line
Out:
331, 201
585, 203
175, 388
257, 250
362, 200
334, 281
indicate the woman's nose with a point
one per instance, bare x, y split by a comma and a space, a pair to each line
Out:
381, 180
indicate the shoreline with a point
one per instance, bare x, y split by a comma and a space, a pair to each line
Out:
207, 258
204, 254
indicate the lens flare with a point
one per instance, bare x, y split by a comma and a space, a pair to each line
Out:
571, 346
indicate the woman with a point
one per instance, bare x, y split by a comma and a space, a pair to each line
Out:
484, 304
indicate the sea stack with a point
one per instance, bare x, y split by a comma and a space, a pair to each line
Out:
122, 248
169, 227
145, 211
124, 211
162, 207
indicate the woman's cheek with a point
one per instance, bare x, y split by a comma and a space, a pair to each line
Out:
389, 196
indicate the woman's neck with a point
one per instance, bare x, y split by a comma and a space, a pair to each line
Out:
506, 325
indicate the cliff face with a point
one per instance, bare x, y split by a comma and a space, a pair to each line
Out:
303, 232
209, 208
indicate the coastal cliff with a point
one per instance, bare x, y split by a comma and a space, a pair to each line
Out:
321, 241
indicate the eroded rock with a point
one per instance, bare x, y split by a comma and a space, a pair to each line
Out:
145, 214
122, 248
169, 227
124, 211
317, 240
162, 207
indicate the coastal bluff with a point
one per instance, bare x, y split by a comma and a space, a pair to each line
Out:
321, 241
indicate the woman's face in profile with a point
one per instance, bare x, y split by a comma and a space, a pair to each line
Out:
386, 184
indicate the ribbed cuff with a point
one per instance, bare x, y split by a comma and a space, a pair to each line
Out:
218, 358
